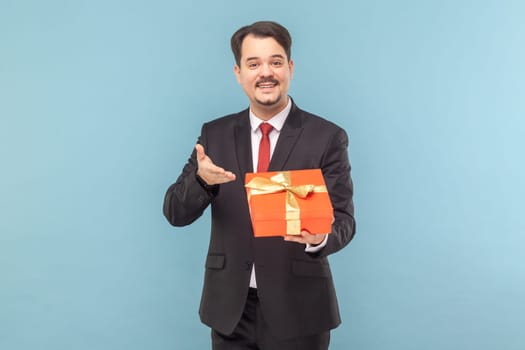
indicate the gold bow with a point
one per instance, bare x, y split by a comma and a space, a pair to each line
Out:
281, 182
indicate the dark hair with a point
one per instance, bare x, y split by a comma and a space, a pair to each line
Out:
262, 29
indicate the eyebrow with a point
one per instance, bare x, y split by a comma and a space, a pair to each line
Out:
272, 56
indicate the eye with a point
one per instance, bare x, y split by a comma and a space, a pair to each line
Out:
252, 65
277, 63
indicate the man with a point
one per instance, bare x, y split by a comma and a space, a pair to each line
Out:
265, 293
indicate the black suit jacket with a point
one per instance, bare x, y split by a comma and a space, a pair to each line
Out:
295, 288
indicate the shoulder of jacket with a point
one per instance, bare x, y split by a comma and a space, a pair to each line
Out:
227, 119
317, 120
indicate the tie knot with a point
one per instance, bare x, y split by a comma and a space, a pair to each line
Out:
265, 128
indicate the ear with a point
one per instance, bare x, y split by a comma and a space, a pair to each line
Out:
291, 65
237, 72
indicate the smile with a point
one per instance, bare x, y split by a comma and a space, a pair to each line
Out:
266, 84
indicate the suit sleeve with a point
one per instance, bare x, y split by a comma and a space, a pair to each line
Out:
336, 170
186, 199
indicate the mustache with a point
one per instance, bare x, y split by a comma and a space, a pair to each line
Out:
267, 80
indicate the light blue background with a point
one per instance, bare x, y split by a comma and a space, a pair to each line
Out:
102, 101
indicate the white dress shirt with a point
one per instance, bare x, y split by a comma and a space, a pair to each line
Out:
277, 121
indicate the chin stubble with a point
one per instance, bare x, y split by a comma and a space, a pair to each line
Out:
270, 102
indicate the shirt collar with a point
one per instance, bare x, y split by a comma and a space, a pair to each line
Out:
277, 121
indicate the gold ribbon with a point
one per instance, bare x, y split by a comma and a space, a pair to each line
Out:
281, 182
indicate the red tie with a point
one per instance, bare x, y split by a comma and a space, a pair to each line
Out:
264, 148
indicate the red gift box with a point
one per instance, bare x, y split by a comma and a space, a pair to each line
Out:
287, 202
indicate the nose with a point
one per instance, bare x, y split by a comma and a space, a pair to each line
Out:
266, 70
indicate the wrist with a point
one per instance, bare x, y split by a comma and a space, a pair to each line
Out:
203, 183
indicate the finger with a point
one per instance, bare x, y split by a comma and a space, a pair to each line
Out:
218, 171
315, 238
226, 176
298, 239
214, 169
230, 176
213, 174
307, 236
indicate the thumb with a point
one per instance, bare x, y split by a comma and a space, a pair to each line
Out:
200, 152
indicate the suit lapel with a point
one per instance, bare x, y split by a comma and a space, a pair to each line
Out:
288, 137
243, 143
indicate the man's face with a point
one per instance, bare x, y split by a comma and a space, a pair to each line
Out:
264, 74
